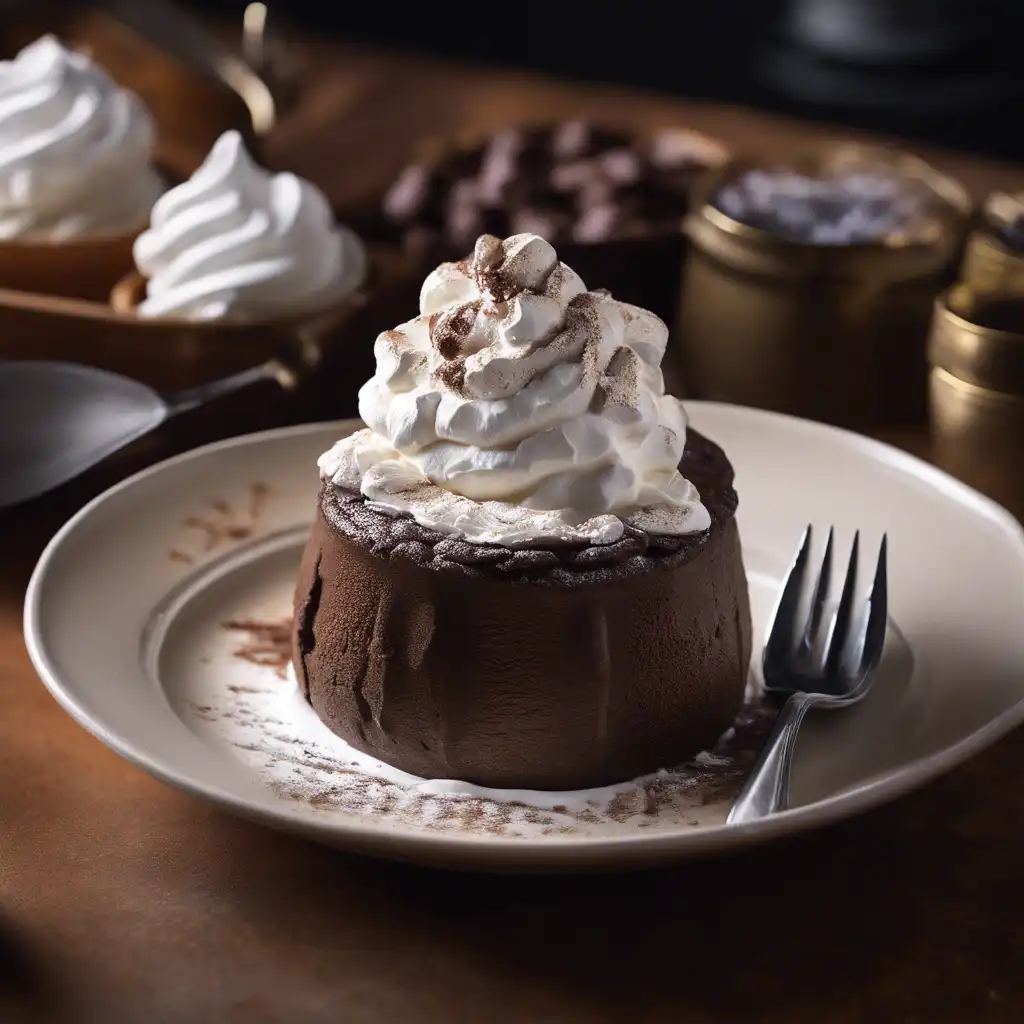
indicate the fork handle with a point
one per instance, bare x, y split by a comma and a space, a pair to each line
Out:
766, 789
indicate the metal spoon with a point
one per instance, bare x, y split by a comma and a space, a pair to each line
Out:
59, 419
179, 33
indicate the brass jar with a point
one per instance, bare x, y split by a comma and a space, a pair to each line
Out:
831, 332
976, 391
990, 265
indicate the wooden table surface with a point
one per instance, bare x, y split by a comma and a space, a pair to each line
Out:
123, 900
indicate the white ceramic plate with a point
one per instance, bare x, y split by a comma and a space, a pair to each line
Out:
156, 617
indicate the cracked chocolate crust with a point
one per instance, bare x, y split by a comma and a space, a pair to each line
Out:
703, 463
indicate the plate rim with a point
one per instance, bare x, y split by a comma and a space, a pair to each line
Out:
490, 852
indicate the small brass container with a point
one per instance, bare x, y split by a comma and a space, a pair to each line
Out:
831, 332
976, 391
990, 263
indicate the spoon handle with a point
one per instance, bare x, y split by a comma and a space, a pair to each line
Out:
183, 36
191, 398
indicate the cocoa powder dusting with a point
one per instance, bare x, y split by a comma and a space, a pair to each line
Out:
452, 375
304, 771
450, 327
258, 494
306, 764
220, 522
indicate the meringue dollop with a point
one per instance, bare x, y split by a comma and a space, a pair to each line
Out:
236, 241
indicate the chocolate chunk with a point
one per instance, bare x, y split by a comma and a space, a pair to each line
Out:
620, 166
597, 224
573, 176
570, 140
409, 194
507, 141
498, 172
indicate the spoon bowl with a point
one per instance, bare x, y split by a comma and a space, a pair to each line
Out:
59, 419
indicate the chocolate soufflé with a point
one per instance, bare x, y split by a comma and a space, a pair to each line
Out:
525, 573
534, 669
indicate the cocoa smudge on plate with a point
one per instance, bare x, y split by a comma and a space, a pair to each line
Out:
258, 494
267, 644
710, 778
220, 522
305, 772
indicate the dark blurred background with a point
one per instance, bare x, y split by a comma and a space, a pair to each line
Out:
946, 71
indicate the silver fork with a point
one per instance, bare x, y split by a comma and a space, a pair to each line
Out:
831, 665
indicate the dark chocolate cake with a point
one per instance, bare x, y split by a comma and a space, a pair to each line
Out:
545, 668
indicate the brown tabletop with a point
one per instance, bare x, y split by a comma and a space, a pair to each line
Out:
123, 900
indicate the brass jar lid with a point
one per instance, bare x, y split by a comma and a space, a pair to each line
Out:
1001, 211
898, 255
978, 337
994, 257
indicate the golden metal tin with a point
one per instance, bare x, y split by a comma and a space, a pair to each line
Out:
832, 332
976, 391
990, 265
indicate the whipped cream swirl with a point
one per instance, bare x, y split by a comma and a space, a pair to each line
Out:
236, 241
75, 149
521, 409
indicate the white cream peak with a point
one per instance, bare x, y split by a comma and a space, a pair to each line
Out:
76, 149
236, 241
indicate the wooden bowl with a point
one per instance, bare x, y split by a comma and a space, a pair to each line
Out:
75, 269
171, 353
